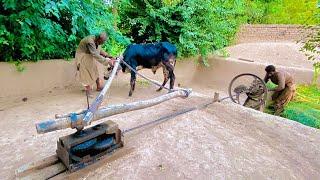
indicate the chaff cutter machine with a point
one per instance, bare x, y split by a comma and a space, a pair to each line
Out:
89, 145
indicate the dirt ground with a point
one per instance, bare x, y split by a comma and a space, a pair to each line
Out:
277, 53
222, 141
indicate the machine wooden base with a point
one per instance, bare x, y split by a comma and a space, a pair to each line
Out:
83, 148
70, 157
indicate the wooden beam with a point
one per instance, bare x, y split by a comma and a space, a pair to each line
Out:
47, 172
33, 167
97, 102
71, 120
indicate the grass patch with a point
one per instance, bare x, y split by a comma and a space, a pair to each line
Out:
142, 82
271, 85
305, 107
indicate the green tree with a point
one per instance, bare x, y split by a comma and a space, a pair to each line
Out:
51, 29
312, 49
282, 11
195, 26
293, 12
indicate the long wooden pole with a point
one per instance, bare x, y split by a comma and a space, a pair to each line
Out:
97, 102
74, 119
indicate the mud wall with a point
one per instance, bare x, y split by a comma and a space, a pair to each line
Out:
51, 74
271, 33
37, 77
221, 72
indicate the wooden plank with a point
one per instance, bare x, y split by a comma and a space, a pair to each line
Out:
33, 166
80, 174
45, 173
43, 169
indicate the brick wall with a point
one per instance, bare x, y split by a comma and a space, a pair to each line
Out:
271, 33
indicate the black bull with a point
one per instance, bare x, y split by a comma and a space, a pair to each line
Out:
150, 56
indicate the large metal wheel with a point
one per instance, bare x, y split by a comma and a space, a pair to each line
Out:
248, 87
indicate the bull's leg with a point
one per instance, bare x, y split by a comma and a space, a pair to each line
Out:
155, 68
172, 79
134, 85
132, 81
172, 76
165, 77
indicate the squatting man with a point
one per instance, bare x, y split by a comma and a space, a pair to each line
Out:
285, 90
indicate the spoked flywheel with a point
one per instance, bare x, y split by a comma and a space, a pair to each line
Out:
248, 90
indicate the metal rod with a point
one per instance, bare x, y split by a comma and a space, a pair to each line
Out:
170, 116
88, 104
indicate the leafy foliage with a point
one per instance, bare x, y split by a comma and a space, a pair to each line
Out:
292, 12
51, 29
282, 12
311, 49
195, 26
256, 11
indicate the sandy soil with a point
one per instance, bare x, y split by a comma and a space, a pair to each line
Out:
221, 141
277, 53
